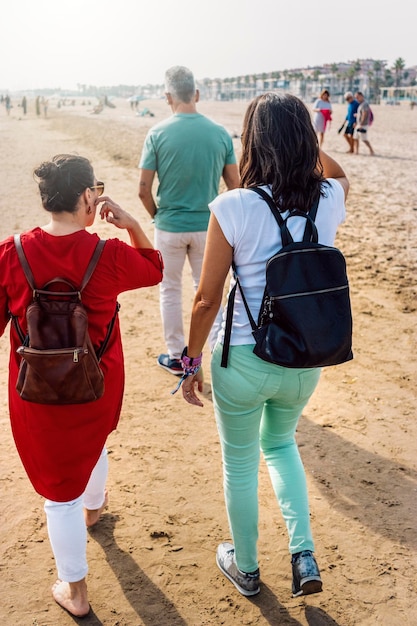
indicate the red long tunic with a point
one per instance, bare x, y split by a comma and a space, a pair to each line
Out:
60, 445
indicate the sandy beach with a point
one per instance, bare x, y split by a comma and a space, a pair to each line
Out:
152, 556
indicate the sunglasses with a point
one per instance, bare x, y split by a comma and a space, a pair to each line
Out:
99, 187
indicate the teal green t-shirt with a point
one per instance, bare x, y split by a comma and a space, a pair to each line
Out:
188, 151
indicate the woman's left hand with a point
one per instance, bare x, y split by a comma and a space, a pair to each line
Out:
189, 387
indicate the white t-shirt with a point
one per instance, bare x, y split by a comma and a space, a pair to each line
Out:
251, 229
324, 105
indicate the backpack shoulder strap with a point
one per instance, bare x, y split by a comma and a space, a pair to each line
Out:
102, 348
29, 277
24, 262
310, 231
313, 211
285, 233
228, 326
270, 202
89, 272
28, 272
93, 262
229, 316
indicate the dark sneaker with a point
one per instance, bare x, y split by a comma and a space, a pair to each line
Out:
305, 574
173, 366
247, 584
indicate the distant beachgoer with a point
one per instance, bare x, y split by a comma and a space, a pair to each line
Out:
362, 124
24, 105
38, 105
353, 105
323, 114
8, 104
189, 153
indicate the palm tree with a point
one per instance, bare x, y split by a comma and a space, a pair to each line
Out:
248, 85
351, 73
398, 68
388, 79
377, 67
357, 66
370, 76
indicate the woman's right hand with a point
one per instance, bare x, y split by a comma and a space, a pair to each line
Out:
114, 214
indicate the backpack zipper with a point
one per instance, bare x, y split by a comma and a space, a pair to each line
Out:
307, 293
52, 352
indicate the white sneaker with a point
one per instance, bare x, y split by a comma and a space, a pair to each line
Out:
247, 584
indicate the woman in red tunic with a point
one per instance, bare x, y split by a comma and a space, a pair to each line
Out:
62, 447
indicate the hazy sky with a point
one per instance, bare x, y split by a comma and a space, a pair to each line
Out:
62, 43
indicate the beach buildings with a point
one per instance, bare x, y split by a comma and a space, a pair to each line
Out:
366, 75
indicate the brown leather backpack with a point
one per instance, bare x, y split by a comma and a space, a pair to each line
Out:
59, 363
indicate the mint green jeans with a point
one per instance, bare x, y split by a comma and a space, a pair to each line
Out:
257, 407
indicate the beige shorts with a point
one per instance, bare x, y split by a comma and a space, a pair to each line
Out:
361, 133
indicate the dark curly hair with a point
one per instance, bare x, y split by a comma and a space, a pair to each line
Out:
280, 148
62, 180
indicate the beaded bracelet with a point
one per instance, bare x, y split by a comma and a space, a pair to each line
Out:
190, 366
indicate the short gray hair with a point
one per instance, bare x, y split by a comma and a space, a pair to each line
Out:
179, 82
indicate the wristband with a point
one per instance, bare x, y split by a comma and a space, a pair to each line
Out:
190, 362
190, 367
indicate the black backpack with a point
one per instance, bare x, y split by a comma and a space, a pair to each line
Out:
59, 364
305, 319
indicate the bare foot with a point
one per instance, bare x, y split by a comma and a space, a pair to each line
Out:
92, 516
72, 597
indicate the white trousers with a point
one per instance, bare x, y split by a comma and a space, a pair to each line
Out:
175, 248
66, 525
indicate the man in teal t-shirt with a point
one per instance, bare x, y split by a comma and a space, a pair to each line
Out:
189, 153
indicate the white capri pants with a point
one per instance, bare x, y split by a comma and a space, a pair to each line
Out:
66, 525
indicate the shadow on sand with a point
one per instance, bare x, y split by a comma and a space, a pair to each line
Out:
142, 594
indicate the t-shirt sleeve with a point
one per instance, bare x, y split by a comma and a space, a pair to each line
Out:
131, 268
336, 192
148, 159
4, 316
230, 156
4, 267
225, 208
